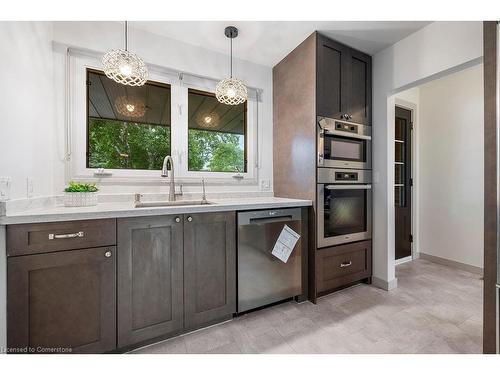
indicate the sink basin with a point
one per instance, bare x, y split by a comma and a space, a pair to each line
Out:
172, 204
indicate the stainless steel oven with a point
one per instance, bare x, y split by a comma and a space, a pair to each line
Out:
344, 206
343, 144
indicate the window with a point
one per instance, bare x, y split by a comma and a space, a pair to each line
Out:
216, 134
127, 127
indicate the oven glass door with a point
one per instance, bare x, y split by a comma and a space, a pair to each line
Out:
344, 213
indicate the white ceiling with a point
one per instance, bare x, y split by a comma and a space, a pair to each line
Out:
267, 43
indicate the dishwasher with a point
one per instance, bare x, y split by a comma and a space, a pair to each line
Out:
262, 278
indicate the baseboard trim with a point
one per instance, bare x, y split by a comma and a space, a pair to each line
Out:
385, 285
452, 263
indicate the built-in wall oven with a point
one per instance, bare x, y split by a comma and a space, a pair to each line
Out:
343, 144
344, 206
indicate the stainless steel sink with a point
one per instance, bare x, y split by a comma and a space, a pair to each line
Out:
172, 203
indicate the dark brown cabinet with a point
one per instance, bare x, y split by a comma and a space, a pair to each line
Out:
343, 82
340, 265
150, 278
175, 273
62, 300
209, 267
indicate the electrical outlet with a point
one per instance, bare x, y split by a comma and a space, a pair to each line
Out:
265, 185
30, 187
5, 183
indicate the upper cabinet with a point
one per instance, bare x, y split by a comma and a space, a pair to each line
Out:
343, 82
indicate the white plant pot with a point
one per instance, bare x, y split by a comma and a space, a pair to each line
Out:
80, 199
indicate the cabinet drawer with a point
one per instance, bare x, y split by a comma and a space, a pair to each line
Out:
340, 265
24, 239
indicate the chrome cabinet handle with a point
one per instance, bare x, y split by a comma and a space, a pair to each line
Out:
177, 219
107, 254
189, 218
53, 236
346, 264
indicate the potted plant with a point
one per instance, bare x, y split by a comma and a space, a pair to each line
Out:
80, 195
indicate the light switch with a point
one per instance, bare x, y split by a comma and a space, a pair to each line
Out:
5, 183
265, 185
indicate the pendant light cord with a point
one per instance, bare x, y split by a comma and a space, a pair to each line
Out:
126, 35
231, 63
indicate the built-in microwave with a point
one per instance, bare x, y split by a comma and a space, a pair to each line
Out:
344, 206
343, 144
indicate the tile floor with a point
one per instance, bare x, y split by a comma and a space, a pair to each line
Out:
435, 309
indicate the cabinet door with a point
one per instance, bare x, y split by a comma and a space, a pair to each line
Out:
359, 87
209, 267
332, 80
64, 300
150, 278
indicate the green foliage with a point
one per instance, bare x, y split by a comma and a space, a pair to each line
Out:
215, 151
75, 187
127, 145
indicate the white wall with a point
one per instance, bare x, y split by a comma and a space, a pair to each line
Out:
32, 76
27, 106
432, 51
166, 52
451, 152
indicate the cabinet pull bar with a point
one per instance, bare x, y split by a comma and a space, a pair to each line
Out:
53, 236
346, 264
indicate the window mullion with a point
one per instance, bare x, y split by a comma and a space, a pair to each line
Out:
179, 129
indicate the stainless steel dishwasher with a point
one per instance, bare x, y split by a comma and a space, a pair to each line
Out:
262, 278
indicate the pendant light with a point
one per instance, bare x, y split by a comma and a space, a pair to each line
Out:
231, 90
125, 67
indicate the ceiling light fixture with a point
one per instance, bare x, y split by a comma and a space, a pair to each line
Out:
130, 106
231, 90
208, 119
125, 67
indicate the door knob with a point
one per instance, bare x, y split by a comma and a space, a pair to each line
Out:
177, 219
107, 254
189, 218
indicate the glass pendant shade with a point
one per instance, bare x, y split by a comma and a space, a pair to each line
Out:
231, 91
125, 67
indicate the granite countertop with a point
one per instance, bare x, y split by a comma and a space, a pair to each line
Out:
126, 209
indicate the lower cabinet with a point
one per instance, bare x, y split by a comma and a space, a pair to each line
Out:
209, 267
175, 273
341, 265
62, 302
150, 278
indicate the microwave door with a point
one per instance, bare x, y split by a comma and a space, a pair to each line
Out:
337, 151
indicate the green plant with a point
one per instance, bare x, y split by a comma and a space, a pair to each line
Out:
75, 187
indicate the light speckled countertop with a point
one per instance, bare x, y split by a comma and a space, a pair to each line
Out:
127, 209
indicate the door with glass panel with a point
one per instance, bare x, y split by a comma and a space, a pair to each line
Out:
403, 182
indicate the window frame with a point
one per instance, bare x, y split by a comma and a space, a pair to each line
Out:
88, 71
245, 133
76, 129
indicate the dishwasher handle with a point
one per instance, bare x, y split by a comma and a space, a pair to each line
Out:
266, 220
269, 216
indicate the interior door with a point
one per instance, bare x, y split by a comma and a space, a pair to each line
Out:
403, 182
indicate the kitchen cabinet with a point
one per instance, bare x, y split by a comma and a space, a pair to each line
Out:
150, 277
175, 273
62, 301
209, 267
343, 82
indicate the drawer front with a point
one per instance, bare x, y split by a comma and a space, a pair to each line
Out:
24, 239
340, 265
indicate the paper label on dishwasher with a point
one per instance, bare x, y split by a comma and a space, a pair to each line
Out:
285, 243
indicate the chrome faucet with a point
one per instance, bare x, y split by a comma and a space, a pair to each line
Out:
164, 173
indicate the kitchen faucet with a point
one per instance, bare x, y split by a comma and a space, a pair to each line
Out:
164, 173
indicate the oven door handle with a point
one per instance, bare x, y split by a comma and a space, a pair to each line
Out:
348, 187
347, 134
